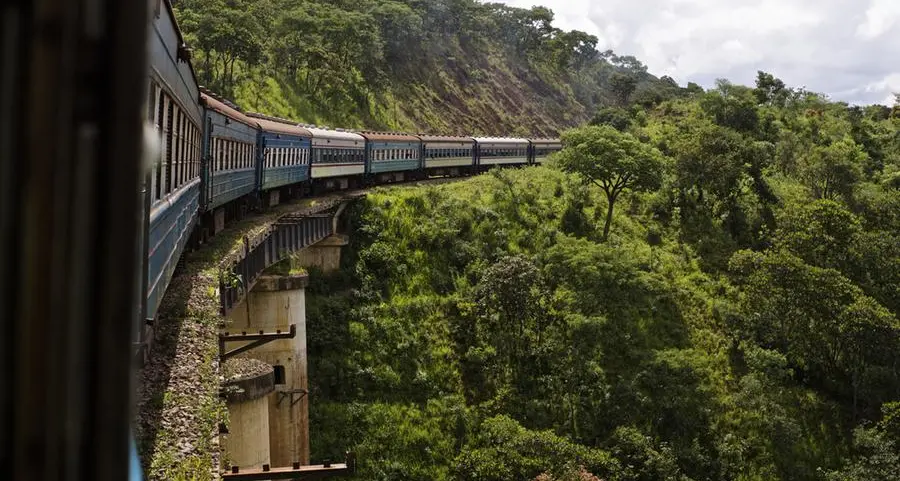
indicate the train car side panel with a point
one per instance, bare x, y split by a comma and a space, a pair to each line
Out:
501, 151
171, 222
337, 154
230, 153
285, 152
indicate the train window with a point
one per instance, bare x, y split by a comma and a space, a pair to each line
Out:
170, 111
159, 166
226, 154
182, 148
151, 101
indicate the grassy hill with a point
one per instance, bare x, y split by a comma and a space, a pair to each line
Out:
448, 66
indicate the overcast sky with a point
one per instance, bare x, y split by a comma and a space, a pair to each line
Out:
848, 49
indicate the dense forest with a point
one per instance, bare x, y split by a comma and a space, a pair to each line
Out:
703, 285
707, 289
445, 66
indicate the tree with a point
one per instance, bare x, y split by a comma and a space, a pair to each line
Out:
732, 106
709, 159
769, 89
841, 341
509, 298
616, 117
612, 160
832, 170
623, 85
877, 459
823, 234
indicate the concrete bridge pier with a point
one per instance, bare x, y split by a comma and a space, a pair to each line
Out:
325, 254
276, 303
247, 441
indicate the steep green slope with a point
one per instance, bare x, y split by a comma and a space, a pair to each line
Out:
447, 66
739, 323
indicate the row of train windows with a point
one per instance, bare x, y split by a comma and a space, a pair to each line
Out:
338, 156
447, 153
544, 152
493, 152
395, 154
286, 156
231, 155
179, 159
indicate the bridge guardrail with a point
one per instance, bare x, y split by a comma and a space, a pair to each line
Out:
288, 234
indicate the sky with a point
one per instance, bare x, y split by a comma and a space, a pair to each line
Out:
848, 49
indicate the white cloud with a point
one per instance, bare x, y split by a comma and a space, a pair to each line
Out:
881, 16
845, 48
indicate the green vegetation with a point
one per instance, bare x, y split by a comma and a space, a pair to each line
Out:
445, 66
737, 319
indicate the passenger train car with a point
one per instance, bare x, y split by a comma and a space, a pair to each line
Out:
217, 161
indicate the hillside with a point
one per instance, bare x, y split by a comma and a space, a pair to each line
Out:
739, 321
446, 66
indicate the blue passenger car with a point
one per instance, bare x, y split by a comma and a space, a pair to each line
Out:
389, 152
229, 156
283, 152
173, 183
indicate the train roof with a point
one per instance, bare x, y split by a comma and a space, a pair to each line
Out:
388, 136
281, 126
500, 140
445, 138
546, 141
213, 103
321, 133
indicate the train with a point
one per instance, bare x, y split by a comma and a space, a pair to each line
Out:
217, 162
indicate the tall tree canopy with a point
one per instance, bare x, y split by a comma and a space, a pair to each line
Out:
612, 160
